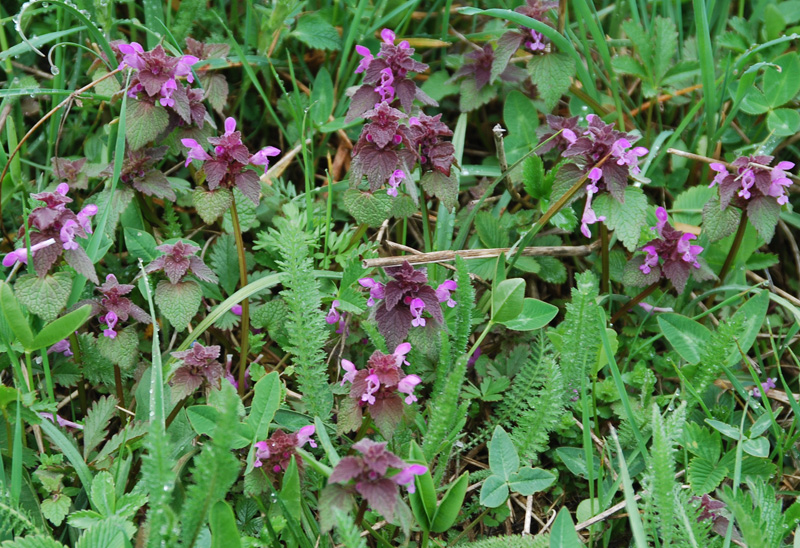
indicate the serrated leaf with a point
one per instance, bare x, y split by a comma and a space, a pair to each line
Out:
443, 187
56, 508
178, 302
552, 74
246, 210
764, 214
96, 422
490, 233
317, 32
144, 121
224, 261
211, 204
719, 223
122, 350
370, 209
472, 97
625, 219
494, 492
103, 493
216, 90
45, 297
533, 178
705, 476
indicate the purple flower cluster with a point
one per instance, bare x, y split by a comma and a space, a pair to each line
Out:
671, 254
199, 364
228, 167
375, 475
752, 181
404, 299
277, 451
178, 260
587, 147
51, 224
766, 386
114, 307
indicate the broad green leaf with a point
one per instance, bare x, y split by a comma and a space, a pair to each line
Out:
719, 223
530, 480
425, 495
266, 401
204, 418
178, 302
210, 205
705, 476
144, 121
246, 210
442, 186
533, 178
627, 219
448, 509
760, 426
755, 102
503, 457
575, 460
552, 74
508, 300
371, 209
322, 97
14, 316
520, 124
56, 507
562, 533
140, 244
758, 447
764, 214
724, 428
317, 32
45, 297
752, 314
686, 336
781, 87
224, 533
535, 315
61, 328
103, 493
122, 350
224, 261
494, 492
783, 121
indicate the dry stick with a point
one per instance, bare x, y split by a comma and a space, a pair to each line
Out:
449, 255
665, 97
43, 119
708, 160
777, 290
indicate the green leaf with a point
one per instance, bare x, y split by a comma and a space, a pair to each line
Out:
562, 534
508, 300
103, 493
625, 219
140, 244
781, 87
724, 428
490, 232
443, 187
178, 302
317, 32
246, 210
144, 121
752, 315
503, 458
521, 125
224, 533
574, 459
224, 261
755, 102
322, 97
14, 316
764, 214
719, 223
210, 205
535, 315
266, 401
534, 179
783, 121
494, 492
448, 509
204, 418
45, 297
366, 208
686, 336
423, 499
122, 350
705, 476
552, 74
61, 328
56, 508
530, 480
96, 423
758, 447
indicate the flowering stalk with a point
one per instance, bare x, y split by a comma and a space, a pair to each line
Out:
245, 337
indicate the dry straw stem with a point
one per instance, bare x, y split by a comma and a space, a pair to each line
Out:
445, 256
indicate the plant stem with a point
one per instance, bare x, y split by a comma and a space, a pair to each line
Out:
426, 227
633, 302
245, 337
480, 338
604, 256
120, 393
472, 524
48, 378
737, 242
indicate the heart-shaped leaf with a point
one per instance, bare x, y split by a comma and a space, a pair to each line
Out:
494, 492
178, 302
530, 480
210, 205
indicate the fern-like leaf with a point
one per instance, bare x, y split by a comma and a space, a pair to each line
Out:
443, 410
14, 520
510, 541
158, 481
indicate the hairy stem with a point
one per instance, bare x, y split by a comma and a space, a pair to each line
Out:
604, 256
737, 242
633, 302
245, 336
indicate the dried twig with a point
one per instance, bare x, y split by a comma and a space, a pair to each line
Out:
445, 256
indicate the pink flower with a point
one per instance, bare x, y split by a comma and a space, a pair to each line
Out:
416, 306
387, 36
230, 126
537, 43
661, 215
111, 320
765, 386
373, 384
406, 476
364, 64
237, 309
304, 436
64, 423
132, 55
394, 181
400, 353
748, 178
62, 346
21, 254
689, 252
376, 290
406, 386
385, 89
196, 152
84, 217
589, 217
184, 67
722, 172
779, 182
651, 260
350, 372
649, 308
444, 290
167, 89
262, 453
68, 235
333, 314
261, 158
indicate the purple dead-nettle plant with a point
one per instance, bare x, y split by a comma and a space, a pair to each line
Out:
754, 187
199, 365
178, 260
765, 387
275, 454
72, 172
587, 147
54, 230
671, 255
478, 67
425, 133
335, 316
405, 300
380, 390
375, 475
114, 307
534, 41
229, 166
139, 172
